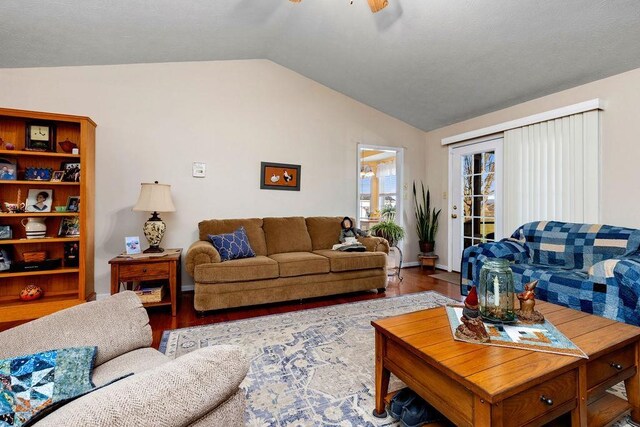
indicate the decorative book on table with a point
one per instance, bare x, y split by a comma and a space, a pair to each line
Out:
542, 337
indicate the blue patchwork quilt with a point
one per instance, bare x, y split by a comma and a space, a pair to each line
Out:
590, 267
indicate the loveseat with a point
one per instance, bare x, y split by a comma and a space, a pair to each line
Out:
198, 389
588, 267
293, 260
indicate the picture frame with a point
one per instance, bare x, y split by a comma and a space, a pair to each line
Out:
40, 136
73, 204
56, 176
39, 200
70, 171
5, 232
71, 254
8, 169
69, 227
132, 245
37, 174
279, 176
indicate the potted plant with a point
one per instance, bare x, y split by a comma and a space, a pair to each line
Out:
426, 220
388, 229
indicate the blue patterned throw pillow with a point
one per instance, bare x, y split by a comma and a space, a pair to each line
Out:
30, 385
232, 245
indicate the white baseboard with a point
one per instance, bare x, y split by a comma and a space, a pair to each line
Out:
417, 264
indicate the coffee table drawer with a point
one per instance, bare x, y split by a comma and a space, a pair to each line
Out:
144, 271
609, 365
528, 405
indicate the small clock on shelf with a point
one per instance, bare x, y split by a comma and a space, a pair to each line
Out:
40, 136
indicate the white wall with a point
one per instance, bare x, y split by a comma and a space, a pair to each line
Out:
619, 153
154, 120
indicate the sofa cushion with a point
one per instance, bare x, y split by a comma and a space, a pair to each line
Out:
346, 261
36, 383
301, 263
129, 363
237, 270
286, 235
252, 226
324, 231
232, 245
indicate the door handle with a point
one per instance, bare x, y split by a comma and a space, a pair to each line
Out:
454, 216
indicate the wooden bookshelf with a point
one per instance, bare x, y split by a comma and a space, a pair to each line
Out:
67, 285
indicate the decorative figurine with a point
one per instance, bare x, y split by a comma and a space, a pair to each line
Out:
527, 298
472, 329
67, 146
31, 292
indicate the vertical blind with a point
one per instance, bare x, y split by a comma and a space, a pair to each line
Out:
552, 171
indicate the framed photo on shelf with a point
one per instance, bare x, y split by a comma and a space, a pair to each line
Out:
8, 169
279, 176
71, 254
39, 200
56, 176
69, 227
73, 204
37, 174
40, 136
5, 232
70, 171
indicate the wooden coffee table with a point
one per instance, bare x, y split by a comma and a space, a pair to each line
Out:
481, 385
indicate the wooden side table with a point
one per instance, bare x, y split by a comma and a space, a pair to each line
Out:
125, 270
427, 260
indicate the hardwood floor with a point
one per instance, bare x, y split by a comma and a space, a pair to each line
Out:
415, 280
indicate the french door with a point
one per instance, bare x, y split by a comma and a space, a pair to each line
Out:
475, 205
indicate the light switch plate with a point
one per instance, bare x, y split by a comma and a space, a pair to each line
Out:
199, 169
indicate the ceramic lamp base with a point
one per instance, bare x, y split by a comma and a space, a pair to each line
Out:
154, 230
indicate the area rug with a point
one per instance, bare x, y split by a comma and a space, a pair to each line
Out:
450, 277
308, 368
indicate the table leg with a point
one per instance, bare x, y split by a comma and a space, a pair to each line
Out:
633, 389
115, 283
173, 282
579, 414
382, 376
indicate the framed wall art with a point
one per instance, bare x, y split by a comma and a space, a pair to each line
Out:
279, 176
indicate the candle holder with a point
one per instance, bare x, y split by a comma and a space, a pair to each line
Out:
496, 291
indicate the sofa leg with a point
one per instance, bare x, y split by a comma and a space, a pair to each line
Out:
200, 313
382, 290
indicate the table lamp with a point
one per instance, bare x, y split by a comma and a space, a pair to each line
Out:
154, 198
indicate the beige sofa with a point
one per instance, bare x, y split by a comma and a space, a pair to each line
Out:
198, 389
293, 260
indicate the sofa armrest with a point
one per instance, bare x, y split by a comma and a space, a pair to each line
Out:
200, 252
176, 393
375, 244
473, 257
116, 325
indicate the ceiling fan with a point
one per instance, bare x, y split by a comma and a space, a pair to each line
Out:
374, 5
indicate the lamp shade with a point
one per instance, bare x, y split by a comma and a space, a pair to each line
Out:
155, 198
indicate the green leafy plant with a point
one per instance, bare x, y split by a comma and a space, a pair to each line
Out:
426, 218
389, 230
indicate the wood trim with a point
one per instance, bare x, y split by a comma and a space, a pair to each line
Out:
26, 114
581, 107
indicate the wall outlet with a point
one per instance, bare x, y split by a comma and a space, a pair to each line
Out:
444, 195
199, 169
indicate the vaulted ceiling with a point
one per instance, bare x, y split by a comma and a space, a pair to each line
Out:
426, 62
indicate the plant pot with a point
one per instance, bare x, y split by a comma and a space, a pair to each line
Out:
426, 247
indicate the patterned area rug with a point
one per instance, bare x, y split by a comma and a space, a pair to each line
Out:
312, 367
